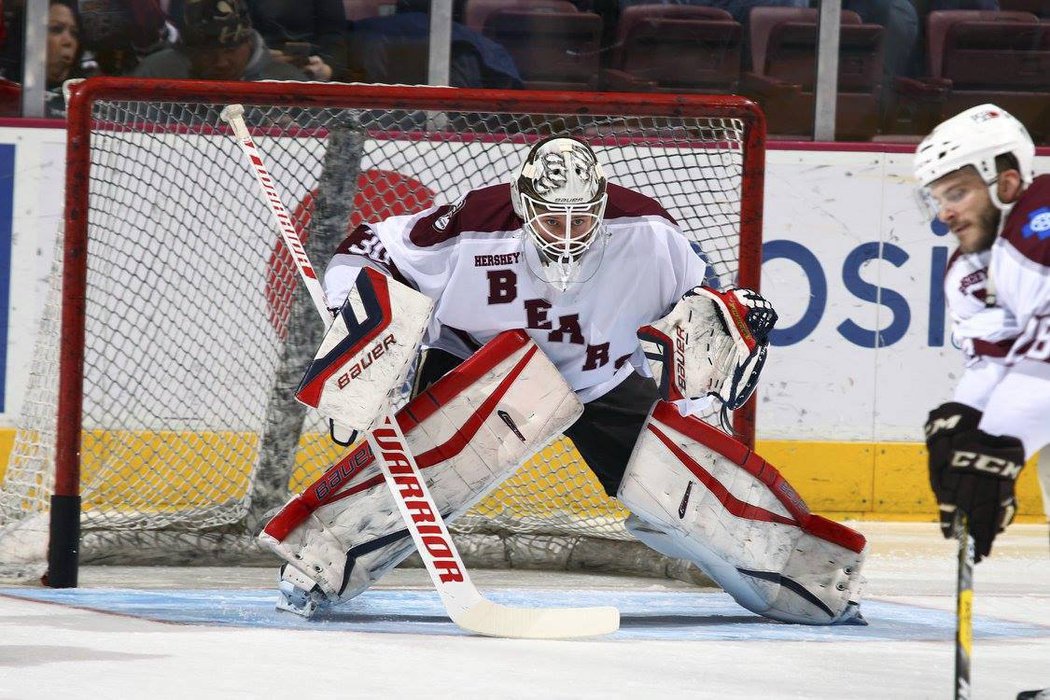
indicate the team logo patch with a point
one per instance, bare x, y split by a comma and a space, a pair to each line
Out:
1038, 224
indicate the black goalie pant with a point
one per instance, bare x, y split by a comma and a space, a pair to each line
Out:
606, 432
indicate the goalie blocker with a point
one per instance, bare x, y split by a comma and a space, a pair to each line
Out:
468, 432
367, 351
698, 494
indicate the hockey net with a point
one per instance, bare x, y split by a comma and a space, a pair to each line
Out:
175, 333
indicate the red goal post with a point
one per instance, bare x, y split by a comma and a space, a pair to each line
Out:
160, 223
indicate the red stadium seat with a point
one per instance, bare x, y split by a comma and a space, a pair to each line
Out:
10, 98
976, 57
554, 48
784, 67
675, 48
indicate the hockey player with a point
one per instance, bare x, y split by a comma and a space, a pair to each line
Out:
581, 265
975, 171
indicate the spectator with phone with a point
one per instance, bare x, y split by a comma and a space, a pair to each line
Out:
308, 34
217, 42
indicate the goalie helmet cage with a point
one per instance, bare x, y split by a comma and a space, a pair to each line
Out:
183, 332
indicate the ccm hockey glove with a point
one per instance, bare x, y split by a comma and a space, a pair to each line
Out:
972, 471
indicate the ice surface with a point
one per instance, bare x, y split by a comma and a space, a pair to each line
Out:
176, 633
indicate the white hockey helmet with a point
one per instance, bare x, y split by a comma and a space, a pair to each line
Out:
559, 193
975, 137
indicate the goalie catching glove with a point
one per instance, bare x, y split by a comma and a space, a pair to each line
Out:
712, 343
972, 471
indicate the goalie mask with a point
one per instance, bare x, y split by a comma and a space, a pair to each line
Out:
973, 138
559, 193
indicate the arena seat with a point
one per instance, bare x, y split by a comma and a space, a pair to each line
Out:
10, 98
554, 47
476, 12
976, 56
784, 69
363, 9
675, 48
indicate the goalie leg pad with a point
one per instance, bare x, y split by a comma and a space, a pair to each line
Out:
468, 432
698, 494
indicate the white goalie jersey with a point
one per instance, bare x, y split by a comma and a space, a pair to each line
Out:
473, 261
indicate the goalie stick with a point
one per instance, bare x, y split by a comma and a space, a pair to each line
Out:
463, 603
963, 608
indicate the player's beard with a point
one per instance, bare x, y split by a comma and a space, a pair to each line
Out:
988, 226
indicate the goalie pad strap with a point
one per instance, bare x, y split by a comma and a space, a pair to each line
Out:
798, 513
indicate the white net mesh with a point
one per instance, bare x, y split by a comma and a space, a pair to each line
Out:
196, 333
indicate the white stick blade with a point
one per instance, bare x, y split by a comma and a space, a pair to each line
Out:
494, 620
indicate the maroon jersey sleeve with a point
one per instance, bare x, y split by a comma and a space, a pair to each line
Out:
624, 203
485, 210
364, 242
1028, 226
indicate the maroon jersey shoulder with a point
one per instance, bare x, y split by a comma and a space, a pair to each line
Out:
363, 241
484, 210
625, 203
1028, 226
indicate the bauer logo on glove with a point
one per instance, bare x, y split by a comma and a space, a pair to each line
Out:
712, 343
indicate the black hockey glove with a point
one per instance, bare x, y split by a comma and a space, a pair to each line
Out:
945, 423
972, 471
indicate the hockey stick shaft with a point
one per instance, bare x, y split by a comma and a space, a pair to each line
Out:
464, 604
234, 116
963, 608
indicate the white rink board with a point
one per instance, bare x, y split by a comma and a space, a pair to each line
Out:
845, 219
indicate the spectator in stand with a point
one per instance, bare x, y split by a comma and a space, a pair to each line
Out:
393, 49
119, 33
287, 24
63, 53
309, 34
217, 42
900, 22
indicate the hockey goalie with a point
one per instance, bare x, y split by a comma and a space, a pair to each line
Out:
531, 301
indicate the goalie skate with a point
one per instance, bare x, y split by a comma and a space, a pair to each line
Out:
297, 594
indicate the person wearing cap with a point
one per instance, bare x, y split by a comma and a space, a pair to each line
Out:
976, 176
217, 42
